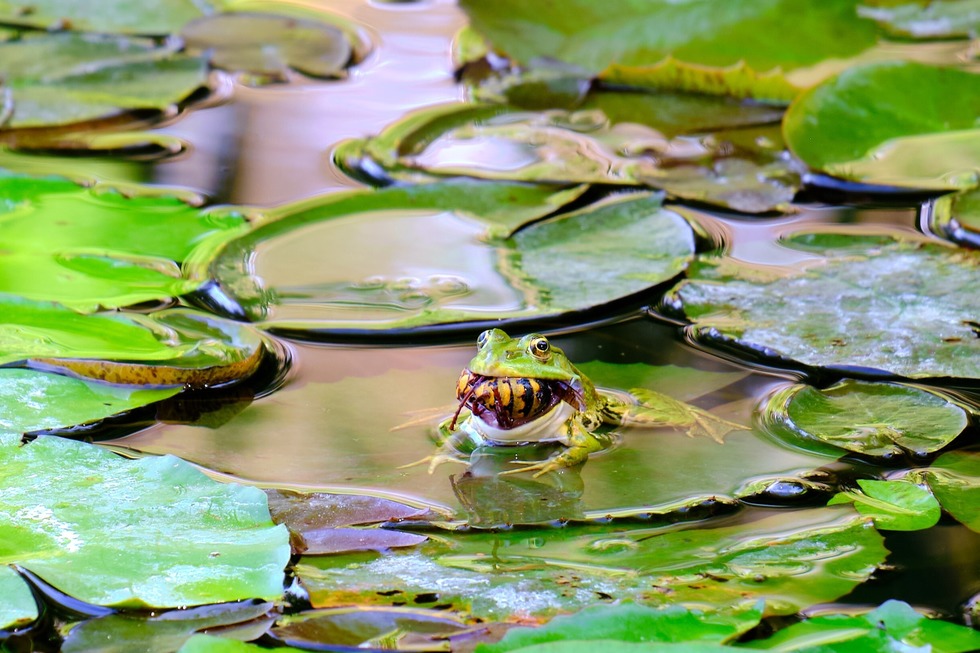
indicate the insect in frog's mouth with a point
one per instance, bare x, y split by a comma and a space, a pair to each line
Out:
508, 402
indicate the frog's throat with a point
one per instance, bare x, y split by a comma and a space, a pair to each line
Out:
504, 402
546, 428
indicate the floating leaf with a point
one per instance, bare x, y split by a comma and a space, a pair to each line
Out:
36, 401
955, 480
493, 142
894, 626
17, 606
906, 307
702, 36
792, 560
883, 420
452, 276
136, 533
865, 126
86, 249
170, 347
894, 505
957, 216
941, 19
367, 627
214, 644
92, 77
121, 16
633, 623
268, 44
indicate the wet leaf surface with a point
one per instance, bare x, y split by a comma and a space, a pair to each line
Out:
905, 308
940, 19
369, 627
499, 143
864, 125
119, 16
170, 347
882, 420
955, 480
214, 644
17, 606
92, 78
454, 275
152, 532
90, 248
894, 626
893, 505
790, 559
36, 401
268, 44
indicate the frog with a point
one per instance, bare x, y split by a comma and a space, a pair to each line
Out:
519, 391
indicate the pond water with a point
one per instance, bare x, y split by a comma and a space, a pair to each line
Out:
353, 414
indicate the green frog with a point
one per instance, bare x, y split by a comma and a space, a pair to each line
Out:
525, 390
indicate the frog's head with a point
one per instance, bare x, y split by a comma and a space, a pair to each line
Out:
512, 381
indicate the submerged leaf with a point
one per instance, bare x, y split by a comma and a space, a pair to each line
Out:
136, 533
865, 126
893, 505
955, 480
905, 307
875, 419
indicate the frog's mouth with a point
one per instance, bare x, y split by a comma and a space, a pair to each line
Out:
507, 402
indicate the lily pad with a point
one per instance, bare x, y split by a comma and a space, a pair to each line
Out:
154, 532
268, 44
957, 216
792, 560
170, 347
893, 505
700, 37
938, 19
608, 251
36, 401
865, 126
214, 644
894, 626
92, 77
119, 16
955, 480
368, 627
499, 143
906, 308
883, 420
88, 249
17, 605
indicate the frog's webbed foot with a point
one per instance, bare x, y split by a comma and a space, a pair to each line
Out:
538, 467
656, 409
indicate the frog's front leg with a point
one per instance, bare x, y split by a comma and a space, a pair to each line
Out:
579, 443
656, 409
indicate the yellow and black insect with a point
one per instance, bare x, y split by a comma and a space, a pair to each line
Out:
507, 402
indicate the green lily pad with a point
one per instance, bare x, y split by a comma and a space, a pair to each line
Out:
865, 126
455, 274
894, 626
938, 19
154, 532
119, 16
893, 505
957, 216
92, 77
36, 401
700, 38
368, 627
268, 44
17, 605
505, 144
633, 623
883, 420
215, 644
88, 249
954, 478
170, 347
791, 560
906, 308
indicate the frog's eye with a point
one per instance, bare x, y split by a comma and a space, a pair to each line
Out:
482, 339
540, 348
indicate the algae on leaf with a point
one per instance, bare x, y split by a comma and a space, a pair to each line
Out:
154, 532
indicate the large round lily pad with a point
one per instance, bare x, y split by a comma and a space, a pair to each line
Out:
151, 532
900, 306
866, 126
383, 276
883, 420
557, 146
87, 249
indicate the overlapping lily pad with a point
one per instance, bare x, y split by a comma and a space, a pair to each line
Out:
170, 347
109, 16
790, 559
900, 306
385, 277
152, 532
92, 77
893, 505
88, 249
865, 126
955, 480
556, 146
881, 420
